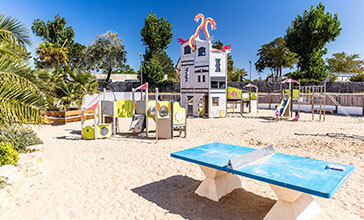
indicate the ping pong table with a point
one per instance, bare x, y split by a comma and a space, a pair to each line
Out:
293, 179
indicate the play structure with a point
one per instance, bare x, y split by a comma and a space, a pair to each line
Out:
288, 96
245, 99
203, 72
168, 116
98, 129
293, 179
316, 97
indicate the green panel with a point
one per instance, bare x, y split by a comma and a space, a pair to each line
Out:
106, 127
233, 93
124, 108
254, 96
88, 132
296, 93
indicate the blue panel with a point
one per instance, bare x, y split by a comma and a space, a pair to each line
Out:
293, 172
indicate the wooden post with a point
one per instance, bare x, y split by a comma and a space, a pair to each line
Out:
146, 111
257, 96
312, 102
172, 119
299, 98
291, 96
132, 100
269, 101
324, 101
82, 122
320, 90
95, 122
156, 114
250, 100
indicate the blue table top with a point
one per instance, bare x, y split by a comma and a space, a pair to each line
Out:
298, 173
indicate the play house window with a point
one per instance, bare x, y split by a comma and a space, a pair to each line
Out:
217, 65
187, 49
203, 78
199, 78
214, 84
201, 51
218, 85
215, 101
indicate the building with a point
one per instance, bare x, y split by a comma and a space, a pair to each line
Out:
118, 77
344, 77
203, 73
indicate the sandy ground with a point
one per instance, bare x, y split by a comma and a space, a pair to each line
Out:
129, 177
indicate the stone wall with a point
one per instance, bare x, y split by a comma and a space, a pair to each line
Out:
174, 87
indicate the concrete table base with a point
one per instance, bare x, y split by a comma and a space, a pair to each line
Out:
291, 205
217, 183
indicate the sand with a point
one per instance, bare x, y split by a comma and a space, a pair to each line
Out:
126, 177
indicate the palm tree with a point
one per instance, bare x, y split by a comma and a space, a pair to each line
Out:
20, 100
86, 81
52, 54
68, 94
13, 37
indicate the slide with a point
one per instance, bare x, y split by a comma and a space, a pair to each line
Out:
138, 123
283, 106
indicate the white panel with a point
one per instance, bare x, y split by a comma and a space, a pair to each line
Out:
214, 111
89, 100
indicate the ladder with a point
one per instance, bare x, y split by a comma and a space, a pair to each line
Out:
340, 107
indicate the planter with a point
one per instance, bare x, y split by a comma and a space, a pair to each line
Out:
62, 117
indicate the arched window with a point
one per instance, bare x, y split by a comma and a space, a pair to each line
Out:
187, 49
217, 65
201, 51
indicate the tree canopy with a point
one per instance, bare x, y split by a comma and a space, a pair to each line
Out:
275, 56
106, 53
307, 36
61, 36
156, 36
344, 63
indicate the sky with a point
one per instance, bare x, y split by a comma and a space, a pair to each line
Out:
246, 25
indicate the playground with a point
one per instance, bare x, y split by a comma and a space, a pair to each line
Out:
133, 177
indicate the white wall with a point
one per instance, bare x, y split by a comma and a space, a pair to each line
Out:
307, 108
89, 100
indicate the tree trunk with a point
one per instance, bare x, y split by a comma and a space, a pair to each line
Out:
108, 75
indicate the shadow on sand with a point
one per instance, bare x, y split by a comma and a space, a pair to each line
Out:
336, 135
176, 195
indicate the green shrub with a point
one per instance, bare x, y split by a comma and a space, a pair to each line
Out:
3, 182
357, 78
7, 154
19, 136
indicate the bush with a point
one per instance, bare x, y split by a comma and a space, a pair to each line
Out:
19, 136
7, 154
357, 78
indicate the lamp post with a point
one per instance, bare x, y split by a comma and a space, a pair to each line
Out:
141, 69
250, 72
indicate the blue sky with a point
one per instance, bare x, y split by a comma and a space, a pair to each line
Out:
246, 25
